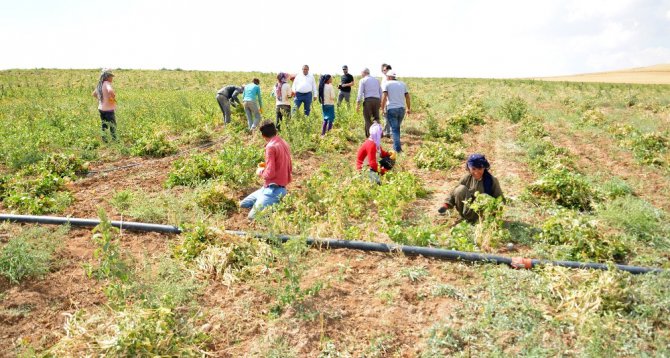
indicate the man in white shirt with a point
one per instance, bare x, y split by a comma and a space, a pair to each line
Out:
305, 90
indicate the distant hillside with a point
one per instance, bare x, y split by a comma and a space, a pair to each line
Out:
658, 74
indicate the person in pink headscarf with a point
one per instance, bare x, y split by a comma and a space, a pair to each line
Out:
371, 152
282, 94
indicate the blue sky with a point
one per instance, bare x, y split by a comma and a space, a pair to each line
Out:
419, 38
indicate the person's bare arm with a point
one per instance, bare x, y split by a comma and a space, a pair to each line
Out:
384, 99
409, 104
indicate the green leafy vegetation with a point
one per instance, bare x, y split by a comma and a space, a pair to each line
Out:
30, 254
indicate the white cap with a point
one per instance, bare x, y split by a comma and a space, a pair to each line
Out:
391, 73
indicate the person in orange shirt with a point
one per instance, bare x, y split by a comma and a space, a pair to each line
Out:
106, 103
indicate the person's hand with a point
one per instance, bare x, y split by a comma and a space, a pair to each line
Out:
392, 155
443, 209
409, 111
259, 171
358, 106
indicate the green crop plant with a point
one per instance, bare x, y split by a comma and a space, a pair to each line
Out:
470, 114
650, 148
30, 254
489, 231
433, 155
194, 240
156, 146
566, 188
514, 109
215, 199
575, 236
593, 117
235, 166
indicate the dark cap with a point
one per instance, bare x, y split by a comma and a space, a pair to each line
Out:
345, 67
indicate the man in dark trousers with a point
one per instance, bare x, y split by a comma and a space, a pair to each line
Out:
346, 83
370, 92
226, 97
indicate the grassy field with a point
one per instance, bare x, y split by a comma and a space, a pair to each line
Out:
585, 168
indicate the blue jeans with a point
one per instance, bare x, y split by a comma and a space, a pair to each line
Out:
261, 198
394, 118
253, 114
303, 98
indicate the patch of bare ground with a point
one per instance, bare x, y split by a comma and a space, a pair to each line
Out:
364, 299
34, 311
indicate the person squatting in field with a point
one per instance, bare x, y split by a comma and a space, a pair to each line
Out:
304, 90
226, 97
370, 92
346, 82
370, 150
327, 100
106, 103
478, 179
253, 103
395, 103
276, 172
282, 94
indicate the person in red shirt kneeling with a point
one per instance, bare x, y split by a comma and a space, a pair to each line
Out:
370, 150
276, 172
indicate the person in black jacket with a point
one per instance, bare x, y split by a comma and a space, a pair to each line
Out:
226, 97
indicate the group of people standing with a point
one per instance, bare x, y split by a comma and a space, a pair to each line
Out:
390, 97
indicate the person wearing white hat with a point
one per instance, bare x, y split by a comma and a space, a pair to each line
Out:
106, 102
395, 104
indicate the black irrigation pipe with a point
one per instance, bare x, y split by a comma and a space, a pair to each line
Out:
54, 220
515, 262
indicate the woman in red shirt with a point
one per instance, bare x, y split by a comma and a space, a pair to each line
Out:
371, 150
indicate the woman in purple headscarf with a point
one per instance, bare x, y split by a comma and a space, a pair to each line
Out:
371, 152
478, 179
282, 94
